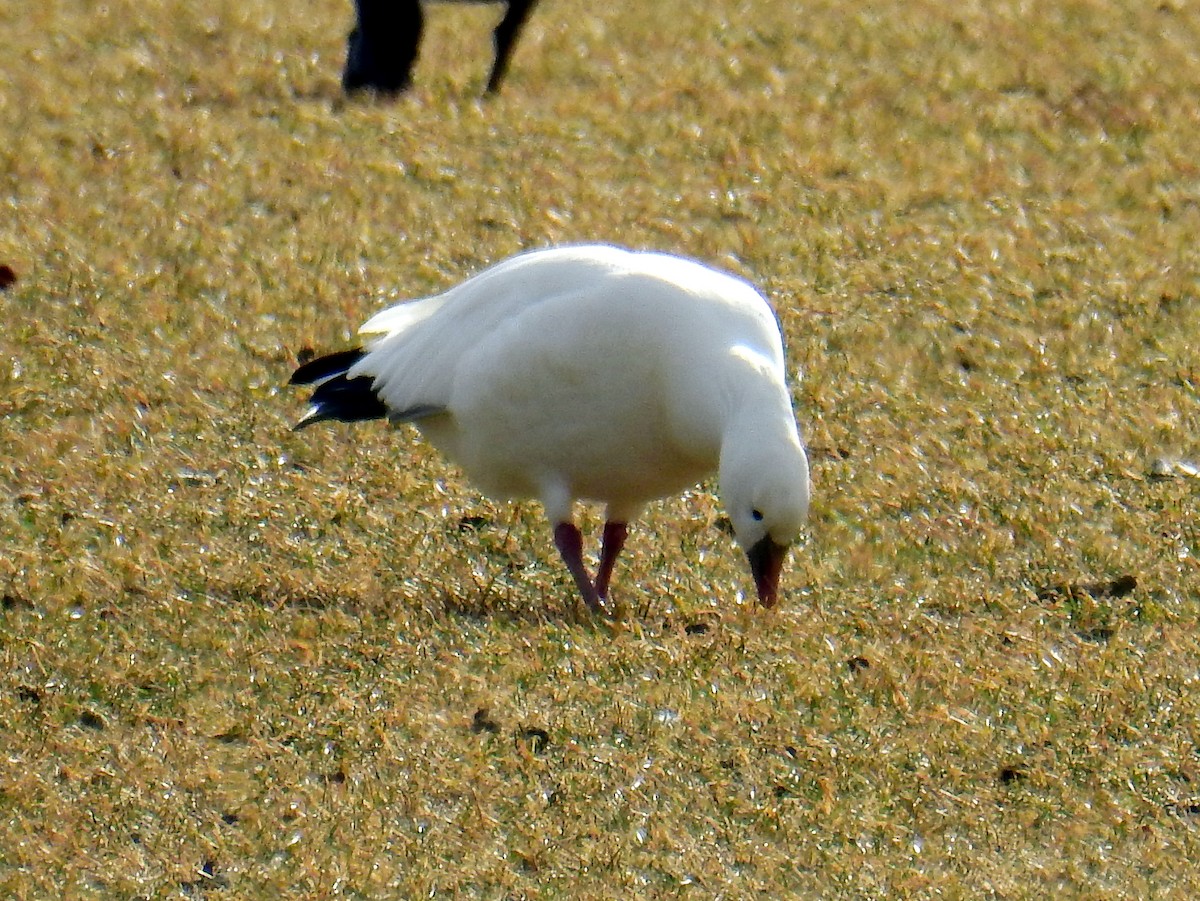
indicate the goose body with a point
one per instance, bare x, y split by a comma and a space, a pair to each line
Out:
592, 373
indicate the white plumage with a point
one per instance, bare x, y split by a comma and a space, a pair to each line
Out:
592, 373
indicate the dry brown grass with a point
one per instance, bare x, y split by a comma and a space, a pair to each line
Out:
243, 663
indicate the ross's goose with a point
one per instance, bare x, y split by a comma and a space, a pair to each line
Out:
591, 373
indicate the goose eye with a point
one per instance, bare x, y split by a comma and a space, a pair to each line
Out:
757, 515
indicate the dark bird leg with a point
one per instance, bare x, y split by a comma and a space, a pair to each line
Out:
614, 539
505, 37
382, 48
569, 542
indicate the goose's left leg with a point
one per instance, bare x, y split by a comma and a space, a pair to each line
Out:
615, 534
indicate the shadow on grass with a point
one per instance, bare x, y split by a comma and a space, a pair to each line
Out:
490, 603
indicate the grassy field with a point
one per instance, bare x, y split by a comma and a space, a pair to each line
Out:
239, 662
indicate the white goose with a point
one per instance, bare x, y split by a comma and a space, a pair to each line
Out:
592, 373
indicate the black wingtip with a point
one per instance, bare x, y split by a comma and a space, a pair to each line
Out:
346, 400
324, 368
312, 416
335, 396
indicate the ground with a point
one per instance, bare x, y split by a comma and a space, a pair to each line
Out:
239, 662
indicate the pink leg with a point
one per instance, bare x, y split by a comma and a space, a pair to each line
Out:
569, 542
614, 539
